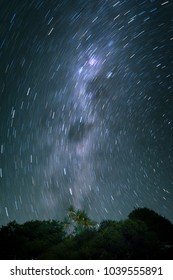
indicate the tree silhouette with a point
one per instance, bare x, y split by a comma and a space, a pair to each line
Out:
144, 235
155, 222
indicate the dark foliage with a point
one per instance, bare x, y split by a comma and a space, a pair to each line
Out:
144, 235
30, 240
160, 225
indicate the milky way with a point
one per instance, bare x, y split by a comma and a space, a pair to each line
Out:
86, 98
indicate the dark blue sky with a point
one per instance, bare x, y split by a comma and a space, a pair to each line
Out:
86, 108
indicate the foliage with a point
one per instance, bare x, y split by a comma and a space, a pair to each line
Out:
77, 221
144, 235
155, 222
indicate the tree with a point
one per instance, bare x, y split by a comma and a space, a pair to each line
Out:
77, 221
144, 235
158, 224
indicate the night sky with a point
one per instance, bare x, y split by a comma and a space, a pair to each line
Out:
86, 108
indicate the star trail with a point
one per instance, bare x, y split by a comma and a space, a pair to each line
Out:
86, 108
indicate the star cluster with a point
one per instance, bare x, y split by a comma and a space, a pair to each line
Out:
86, 98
